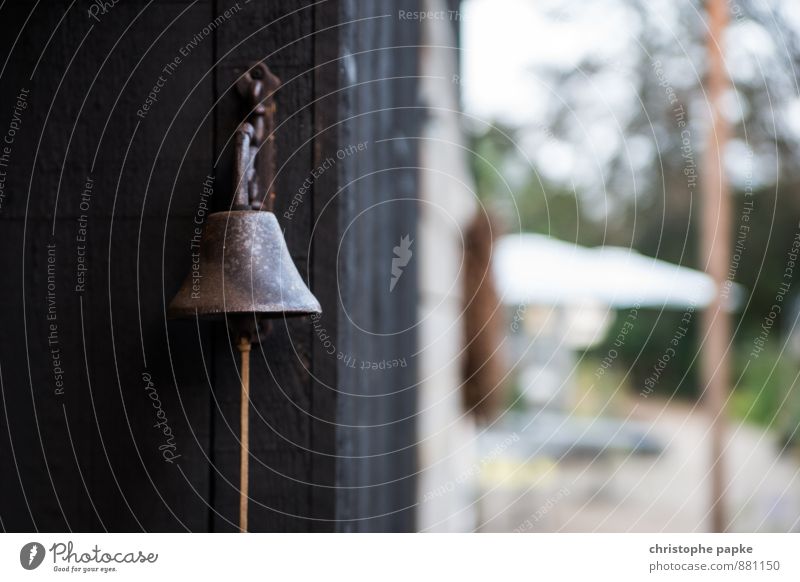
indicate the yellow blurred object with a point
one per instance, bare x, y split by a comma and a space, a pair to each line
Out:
512, 473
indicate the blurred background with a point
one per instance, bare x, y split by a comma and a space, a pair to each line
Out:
591, 128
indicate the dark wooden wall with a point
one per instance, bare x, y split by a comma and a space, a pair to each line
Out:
376, 436
333, 446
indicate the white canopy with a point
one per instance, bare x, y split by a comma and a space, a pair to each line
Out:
536, 269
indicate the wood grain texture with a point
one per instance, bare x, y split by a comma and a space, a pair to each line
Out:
89, 459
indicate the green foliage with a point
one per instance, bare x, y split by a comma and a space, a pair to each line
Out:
658, 352
664, 225
767, 392
527, 202
761, 391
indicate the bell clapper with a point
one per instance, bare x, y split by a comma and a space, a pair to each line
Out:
244, 436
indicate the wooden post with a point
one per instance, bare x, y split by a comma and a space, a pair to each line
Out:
715, 234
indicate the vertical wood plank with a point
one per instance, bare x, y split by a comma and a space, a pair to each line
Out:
85, 454
281, 465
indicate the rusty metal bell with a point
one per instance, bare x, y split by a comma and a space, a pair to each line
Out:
243, 267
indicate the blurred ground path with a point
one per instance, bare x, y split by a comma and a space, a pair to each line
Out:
619, 492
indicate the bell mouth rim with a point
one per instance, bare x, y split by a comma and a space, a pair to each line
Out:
220, 213
221, 315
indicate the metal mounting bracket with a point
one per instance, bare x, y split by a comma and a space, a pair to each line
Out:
254, 170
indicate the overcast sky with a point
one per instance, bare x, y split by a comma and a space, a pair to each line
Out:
508, 44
